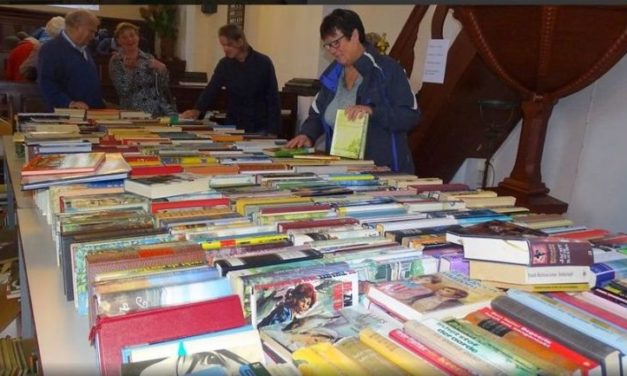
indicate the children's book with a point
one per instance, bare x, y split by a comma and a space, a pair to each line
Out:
349, 136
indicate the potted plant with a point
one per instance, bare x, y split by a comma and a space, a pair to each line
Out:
162, 19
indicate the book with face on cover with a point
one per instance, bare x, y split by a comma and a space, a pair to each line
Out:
349, 136
432, 295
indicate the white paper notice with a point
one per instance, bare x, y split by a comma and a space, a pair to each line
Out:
435, 62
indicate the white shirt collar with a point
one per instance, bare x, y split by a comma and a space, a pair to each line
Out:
82, 50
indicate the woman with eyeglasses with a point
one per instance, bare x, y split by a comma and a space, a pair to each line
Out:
250, 82
362, 81
141, 81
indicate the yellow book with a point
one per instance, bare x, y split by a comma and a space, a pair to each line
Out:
410, 363
487, 202
346, 364
247, 240
226, 138
314, 362
349, 136
546, 287
457, 195
240, 204
369, 359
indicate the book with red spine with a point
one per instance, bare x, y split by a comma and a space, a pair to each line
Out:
562, 354
332, 222
202, 203
112, 334
435, 358
589, 308
155, 170
587, 234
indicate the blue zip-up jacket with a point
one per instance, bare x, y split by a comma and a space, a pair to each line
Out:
65, 76
386, 89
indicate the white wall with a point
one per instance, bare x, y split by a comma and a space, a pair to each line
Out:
583, 162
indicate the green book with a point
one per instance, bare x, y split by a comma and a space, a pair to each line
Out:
349, 136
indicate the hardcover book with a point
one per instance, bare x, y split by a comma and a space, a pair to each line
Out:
63, 163
507, 242
609, 357
349, 136
432, 295
112, 334
167, 185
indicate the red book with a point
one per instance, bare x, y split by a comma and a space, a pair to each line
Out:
431, 356
63, 164
203, 203
284, 227
114, 333
155, 170
588, 234
590, 308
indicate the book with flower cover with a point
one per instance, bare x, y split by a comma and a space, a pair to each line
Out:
349, 136
63, 163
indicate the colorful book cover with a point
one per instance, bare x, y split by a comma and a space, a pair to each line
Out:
433, 295
349, 136
291, 301
63, 163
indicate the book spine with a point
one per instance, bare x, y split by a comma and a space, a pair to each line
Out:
522, 356
569, 337
311, 362
605, 294
590, 309
395, 354
500, 360
345, 364
525, 337
433, 357
236, 263
568, 316
463, 354
367, 357
163, 296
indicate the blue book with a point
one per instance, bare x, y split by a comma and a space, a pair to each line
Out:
591, 327
608, 271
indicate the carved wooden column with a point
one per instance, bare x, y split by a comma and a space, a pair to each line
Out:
545, 53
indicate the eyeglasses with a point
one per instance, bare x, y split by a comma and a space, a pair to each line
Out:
335, 43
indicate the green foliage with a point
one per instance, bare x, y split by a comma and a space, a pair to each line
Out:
161, 19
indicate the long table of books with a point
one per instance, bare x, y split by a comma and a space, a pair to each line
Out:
159, 248
60, 331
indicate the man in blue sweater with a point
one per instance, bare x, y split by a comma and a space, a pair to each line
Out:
250, 82
67, 73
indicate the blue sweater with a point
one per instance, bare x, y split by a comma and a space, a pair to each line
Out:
65, 76
252, 92
386, 89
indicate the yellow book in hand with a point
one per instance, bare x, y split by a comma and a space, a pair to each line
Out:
349, 136
387, 348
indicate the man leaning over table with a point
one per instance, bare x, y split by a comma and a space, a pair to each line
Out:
67, 73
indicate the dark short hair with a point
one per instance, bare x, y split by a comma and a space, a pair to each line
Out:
344, 20
232, 32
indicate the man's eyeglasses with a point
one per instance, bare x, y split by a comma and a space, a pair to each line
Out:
335, 43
